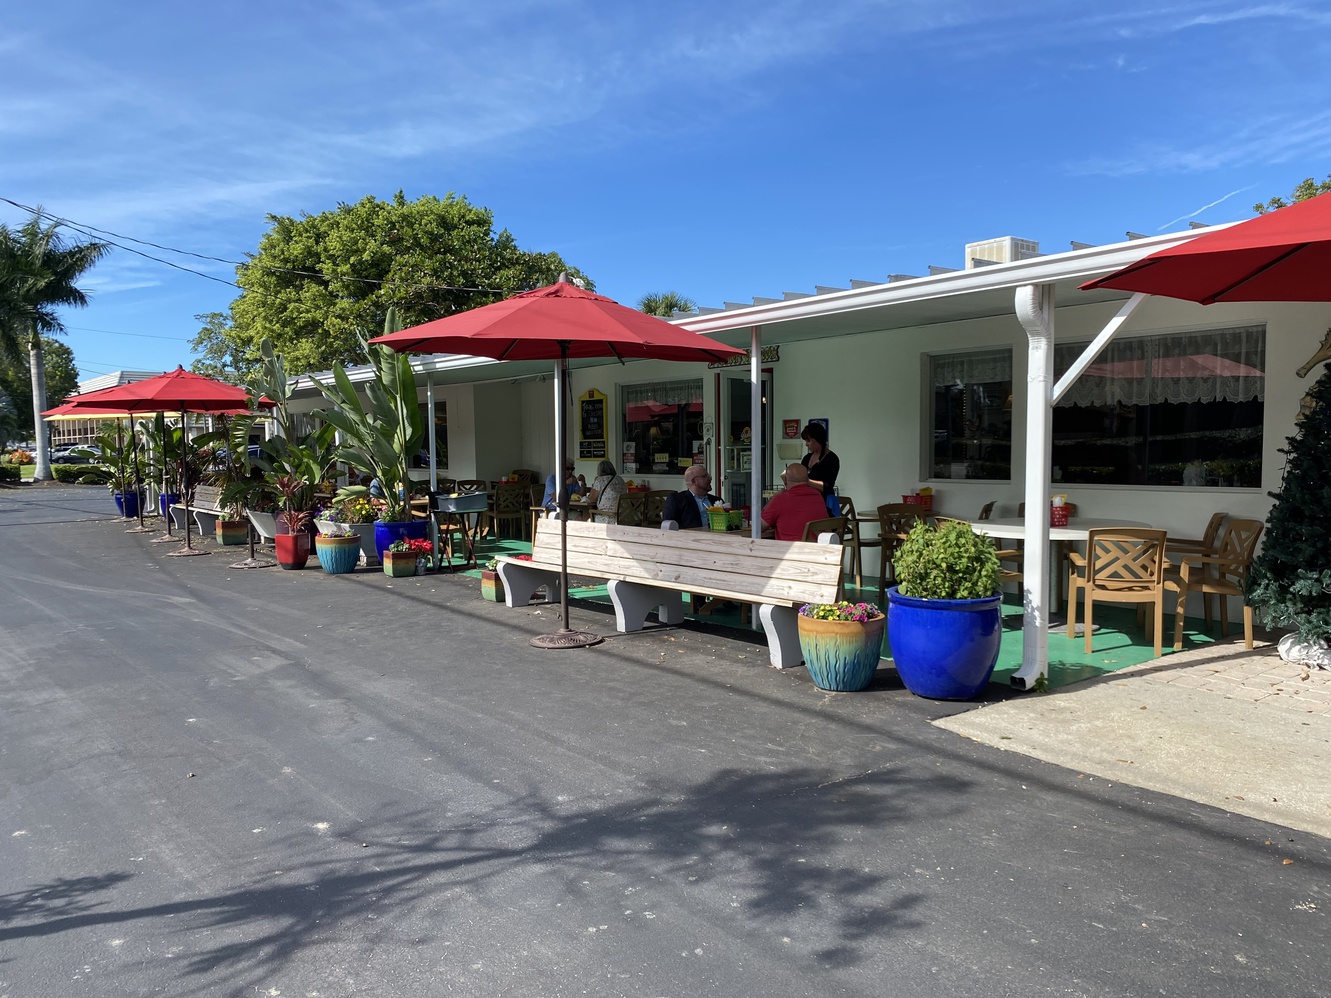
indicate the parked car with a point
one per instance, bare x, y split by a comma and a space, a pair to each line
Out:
78, 454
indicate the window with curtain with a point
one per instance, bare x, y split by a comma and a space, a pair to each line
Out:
971, 425
662, 426
1181, 409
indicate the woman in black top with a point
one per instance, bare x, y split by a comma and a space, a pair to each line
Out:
823, 465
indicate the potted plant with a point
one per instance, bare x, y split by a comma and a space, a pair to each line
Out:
338, 548
380, 433
492, 586
407, 556
229, 468
841, 643
357, 513
943, 619
293, 538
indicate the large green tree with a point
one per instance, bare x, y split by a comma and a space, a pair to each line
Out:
62, 380
1309, 188
219, 355
38, 271
317, 282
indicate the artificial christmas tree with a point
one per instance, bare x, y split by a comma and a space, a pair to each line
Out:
1290, 581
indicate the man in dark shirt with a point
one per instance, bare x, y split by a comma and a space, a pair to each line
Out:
686, 507
789, 510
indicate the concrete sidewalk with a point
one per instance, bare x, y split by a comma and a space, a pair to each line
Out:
1240, 730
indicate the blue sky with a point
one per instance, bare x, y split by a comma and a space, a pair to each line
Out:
721, 150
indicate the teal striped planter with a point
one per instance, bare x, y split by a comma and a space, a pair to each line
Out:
841, 655
337, 555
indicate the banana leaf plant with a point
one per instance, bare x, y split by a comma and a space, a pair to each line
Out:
381, 433
231, 463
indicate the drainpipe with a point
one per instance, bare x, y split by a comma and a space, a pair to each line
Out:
1035, 311
757, 435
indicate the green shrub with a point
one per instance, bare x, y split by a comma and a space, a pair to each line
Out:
79, 474
9, 473
946, 562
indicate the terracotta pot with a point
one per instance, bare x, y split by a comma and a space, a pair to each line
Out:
492, 586
399, 563
232, 531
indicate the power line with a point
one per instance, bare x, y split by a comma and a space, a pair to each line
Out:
116, 332
95, 233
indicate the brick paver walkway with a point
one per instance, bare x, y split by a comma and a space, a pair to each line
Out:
1260, 675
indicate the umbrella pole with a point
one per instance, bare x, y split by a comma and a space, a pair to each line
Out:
565, 637
189, 548
142, 528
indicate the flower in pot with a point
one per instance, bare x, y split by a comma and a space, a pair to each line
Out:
408, 556
841, 643
293, 545
943, 619
357, 513
492, 586
338, 548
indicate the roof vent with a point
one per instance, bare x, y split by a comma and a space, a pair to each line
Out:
1005, 249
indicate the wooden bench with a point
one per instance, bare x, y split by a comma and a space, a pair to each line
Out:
205, 507
650, 569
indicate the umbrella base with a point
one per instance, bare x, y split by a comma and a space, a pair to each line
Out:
255, 563
186, 553
169, 539
141, 530
564, 638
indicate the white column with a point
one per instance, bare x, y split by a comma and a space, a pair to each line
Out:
756, 433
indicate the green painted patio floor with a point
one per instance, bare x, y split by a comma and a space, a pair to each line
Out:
1118, 642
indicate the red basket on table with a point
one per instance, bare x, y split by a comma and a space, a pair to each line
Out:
918, 500
1058, 516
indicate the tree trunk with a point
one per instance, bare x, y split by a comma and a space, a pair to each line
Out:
41, 429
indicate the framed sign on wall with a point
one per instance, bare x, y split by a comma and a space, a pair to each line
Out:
592, 442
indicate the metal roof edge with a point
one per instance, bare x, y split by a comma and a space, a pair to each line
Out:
1082, 264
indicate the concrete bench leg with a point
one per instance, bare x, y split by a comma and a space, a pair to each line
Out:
207, 522
633, 601
783, 635
526, 580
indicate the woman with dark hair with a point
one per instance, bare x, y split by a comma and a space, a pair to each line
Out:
605, 492
822, 464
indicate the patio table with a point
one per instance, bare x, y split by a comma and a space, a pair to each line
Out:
1077, 530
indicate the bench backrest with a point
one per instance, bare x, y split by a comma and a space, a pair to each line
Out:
206, 497
768, 571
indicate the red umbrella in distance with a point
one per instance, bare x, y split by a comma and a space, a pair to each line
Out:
556, 323
178, 390
1283, 255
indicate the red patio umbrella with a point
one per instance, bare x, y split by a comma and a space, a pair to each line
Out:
555, 323
1283, 255
168, 392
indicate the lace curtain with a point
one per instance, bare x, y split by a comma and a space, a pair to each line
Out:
1226, 365
978, 367
664, 392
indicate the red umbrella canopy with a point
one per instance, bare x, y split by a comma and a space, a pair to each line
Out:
1283, 255
170, 392
532, 325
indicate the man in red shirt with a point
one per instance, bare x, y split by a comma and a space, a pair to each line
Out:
788, 511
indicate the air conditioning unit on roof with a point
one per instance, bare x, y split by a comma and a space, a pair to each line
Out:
1005, 249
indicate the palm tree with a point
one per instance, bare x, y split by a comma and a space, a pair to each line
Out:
37, 274
665, 304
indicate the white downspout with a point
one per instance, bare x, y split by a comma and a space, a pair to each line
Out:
756, 433
1035, 311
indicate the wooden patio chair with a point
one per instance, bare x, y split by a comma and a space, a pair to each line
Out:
512, 505
655, 509
895, 520
1064, 549
854, 540
1121, 565
1223, 574
1178, 548
631, 509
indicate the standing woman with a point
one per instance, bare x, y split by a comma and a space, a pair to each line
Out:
822, 464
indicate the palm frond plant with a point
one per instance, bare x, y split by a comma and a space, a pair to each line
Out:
381, 432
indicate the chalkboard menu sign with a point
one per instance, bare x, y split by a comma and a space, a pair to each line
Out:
592, 437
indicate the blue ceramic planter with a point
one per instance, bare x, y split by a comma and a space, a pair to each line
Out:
385, 533
165, 500
337, 555
127, 503
944, 649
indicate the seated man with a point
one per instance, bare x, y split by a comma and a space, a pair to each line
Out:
799, 503
688, 508
575, 486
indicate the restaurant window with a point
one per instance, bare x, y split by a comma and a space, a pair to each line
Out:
971, 425
1181, 409
662, 427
